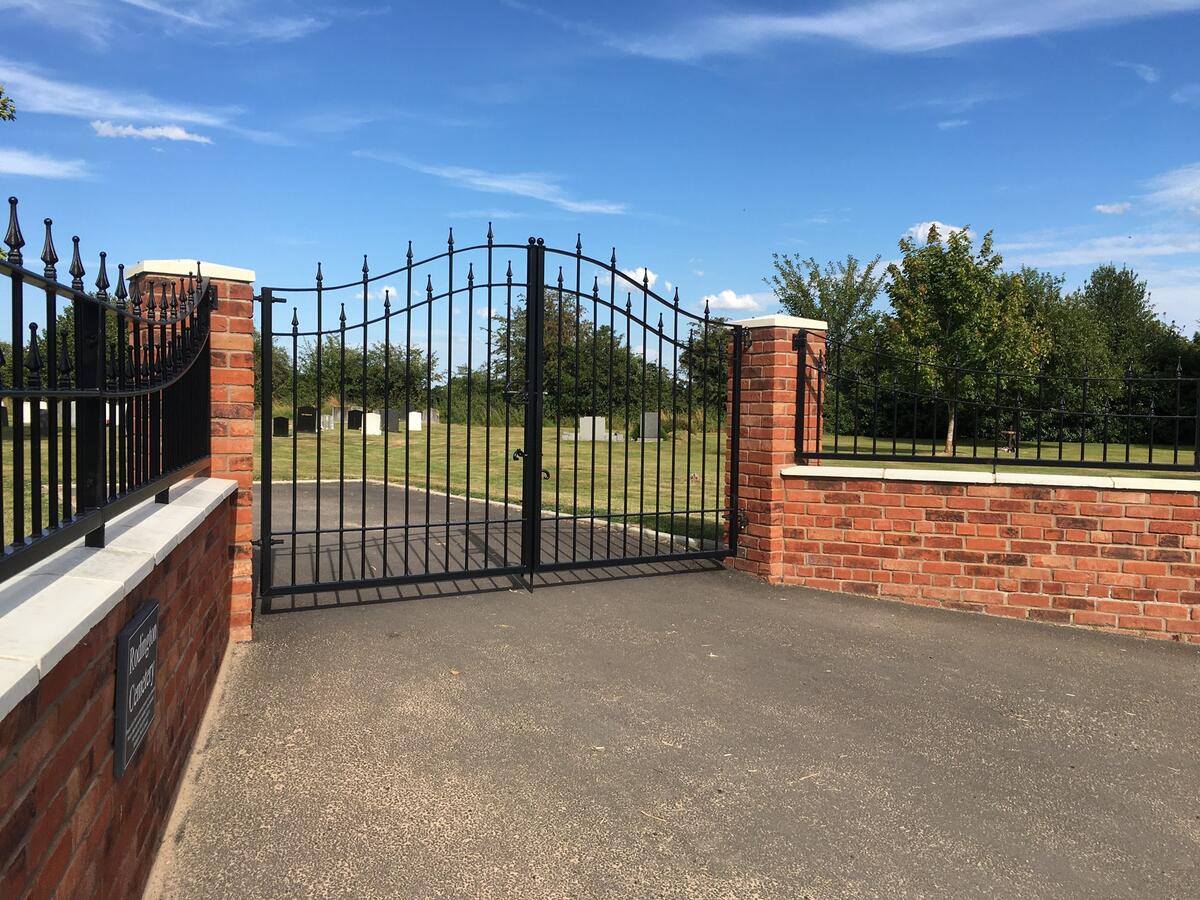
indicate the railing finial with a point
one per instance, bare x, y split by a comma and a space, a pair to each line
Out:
102, 277
122, 292
14, 238
76, 269
49, 256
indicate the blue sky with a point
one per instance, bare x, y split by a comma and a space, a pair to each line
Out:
696, 137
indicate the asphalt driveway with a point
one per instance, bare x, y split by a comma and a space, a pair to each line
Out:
692, 735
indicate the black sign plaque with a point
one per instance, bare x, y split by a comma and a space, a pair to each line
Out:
137, 659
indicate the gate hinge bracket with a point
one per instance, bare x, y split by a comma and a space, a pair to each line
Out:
798, 340
742, 520
747, 340
274, 542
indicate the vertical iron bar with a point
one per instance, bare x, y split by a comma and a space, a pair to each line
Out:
319, 403
508, 352
487, 413
642, 415
266, 528
608, 406
362, 423
560, 389
576, 398
703, 426
449, 380
341, 546
735, 439
470, 397
428, 414
295, 431
386, 421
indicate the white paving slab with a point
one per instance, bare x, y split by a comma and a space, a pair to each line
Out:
45, 611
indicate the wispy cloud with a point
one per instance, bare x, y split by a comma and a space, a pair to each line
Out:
214, 21
533, 185
951, 124
1148, 74
1112, 209
1188, 95
36, 92
1123, 248
148, 132
1177, 190
36, 165
895, 26
486, 215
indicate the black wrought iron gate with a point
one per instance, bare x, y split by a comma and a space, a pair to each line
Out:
457, 430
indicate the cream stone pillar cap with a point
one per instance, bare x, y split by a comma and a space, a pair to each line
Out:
782, 322
184, 267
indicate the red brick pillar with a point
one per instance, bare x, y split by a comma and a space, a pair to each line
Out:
767, 432
231, 345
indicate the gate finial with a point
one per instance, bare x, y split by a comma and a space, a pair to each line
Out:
49, 256
14, 238
76, 269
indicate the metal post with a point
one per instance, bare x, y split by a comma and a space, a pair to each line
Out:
264, 581
735, 440
531, 506
800, 343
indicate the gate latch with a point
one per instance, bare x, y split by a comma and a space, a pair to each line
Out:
518, 453
742, 520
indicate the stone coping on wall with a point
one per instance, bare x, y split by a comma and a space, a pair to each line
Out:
972, 476
47, 610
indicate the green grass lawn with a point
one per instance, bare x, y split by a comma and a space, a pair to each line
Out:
586, 478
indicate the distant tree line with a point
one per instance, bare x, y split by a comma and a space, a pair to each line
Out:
964, 332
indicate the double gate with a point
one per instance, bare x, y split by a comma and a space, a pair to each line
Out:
458, 417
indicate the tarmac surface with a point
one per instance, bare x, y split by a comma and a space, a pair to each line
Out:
688, 735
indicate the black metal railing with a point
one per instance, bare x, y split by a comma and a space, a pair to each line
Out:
105, 397
884, 406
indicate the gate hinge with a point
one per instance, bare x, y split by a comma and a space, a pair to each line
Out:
747, 340
274, 542
798, 340
742, 520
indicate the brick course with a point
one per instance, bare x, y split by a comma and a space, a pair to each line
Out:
67, 827
1119, 560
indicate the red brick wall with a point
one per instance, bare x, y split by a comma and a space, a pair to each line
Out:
232, 341
1121, 560
67, 828
231, 344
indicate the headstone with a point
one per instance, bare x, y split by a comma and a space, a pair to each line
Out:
279, 426
434, 418
414, 421
390, 420
354, 420
372, 423
327, 422
593, 428
649, 426
306, 420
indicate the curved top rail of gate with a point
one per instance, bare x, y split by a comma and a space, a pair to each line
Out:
618, 282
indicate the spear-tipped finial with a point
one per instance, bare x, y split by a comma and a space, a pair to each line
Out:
13, 237
660, 323
150, 300
560, 278
706, 307
33, 359
64, 357
578, 243
387, 298
595, 285
645, 279
1179, 367
365, 267
320, 277
470, 273
613, 261
122, 292
76, 269
450, 239
429, 286
49, 256
408, 256
489, 232
676, 300
295, 318
342, 316
174, 302
102, 277
508, 274
628, 301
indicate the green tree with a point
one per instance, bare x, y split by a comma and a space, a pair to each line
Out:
842, 294
957, 311
1121, 301
281, 372
8, 112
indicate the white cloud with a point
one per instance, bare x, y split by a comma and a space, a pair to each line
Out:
895, 26
533, 185
1178, 189
1188, 95
1122, 248
948, 124
148, 132
35, 165
1112, 209
728, 299
920, 231
1148, 74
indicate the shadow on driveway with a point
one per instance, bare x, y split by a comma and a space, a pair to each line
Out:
703, 735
